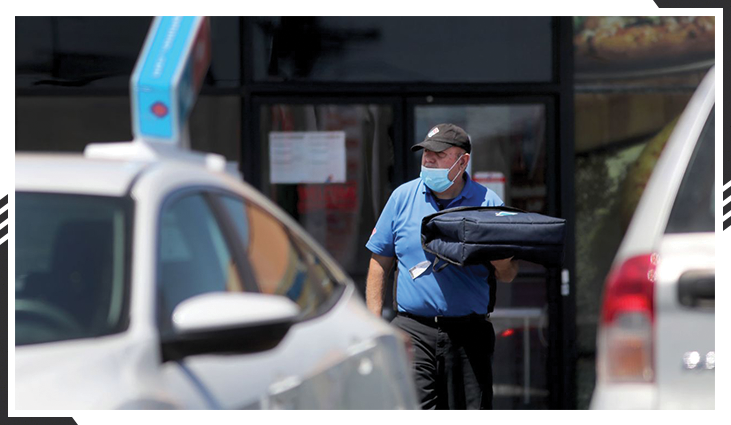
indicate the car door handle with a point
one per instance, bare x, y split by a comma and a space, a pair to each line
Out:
697, 288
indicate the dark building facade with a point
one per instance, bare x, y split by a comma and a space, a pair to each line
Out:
375, 85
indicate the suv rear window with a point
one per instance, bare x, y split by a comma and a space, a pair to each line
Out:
693, 210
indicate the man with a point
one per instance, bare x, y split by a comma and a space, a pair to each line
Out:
445, 313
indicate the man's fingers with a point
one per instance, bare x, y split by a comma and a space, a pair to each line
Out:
503, 260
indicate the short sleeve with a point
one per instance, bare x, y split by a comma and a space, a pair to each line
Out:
382, 239
493, 200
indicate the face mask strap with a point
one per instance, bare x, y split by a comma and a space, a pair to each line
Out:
455, 163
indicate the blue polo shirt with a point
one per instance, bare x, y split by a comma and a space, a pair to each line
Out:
453, 291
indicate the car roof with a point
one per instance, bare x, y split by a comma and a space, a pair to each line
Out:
108, 169
69, 173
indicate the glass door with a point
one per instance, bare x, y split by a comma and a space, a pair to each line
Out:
509, 155
330, 165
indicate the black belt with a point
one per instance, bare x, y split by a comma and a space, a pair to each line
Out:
432, 320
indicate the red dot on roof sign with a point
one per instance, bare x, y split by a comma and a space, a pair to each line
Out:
159, 109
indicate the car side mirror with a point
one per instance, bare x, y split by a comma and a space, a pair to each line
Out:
228, 323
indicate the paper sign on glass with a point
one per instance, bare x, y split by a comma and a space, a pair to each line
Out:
307, 157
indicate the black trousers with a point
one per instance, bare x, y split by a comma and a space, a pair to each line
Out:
452, 362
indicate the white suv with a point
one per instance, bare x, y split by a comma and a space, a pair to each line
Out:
656, 339
153, 278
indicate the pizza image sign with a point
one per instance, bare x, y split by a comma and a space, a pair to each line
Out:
640, 46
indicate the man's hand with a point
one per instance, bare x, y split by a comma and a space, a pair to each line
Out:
506, 269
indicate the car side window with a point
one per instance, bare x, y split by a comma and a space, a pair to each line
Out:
693, 208
193, 257
281, 263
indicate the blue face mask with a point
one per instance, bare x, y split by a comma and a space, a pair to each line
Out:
437, 179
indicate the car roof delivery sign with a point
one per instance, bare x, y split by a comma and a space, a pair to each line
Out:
168, 76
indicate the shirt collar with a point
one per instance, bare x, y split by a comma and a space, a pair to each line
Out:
469, 187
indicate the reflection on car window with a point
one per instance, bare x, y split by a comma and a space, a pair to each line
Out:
193, 255
237, 212
282, 264
70, 270
690, 212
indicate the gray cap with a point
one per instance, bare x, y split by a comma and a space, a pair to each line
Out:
444, 136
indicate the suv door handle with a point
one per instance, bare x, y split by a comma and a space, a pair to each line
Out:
697, 288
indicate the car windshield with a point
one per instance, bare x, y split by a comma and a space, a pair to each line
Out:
71, 258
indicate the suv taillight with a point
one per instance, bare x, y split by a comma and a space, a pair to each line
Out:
625, 341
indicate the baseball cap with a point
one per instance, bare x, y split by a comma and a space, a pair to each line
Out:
444, 136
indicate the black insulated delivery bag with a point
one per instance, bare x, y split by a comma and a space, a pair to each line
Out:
476, 235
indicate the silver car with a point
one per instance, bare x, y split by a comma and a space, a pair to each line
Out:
150, 278
656, 339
